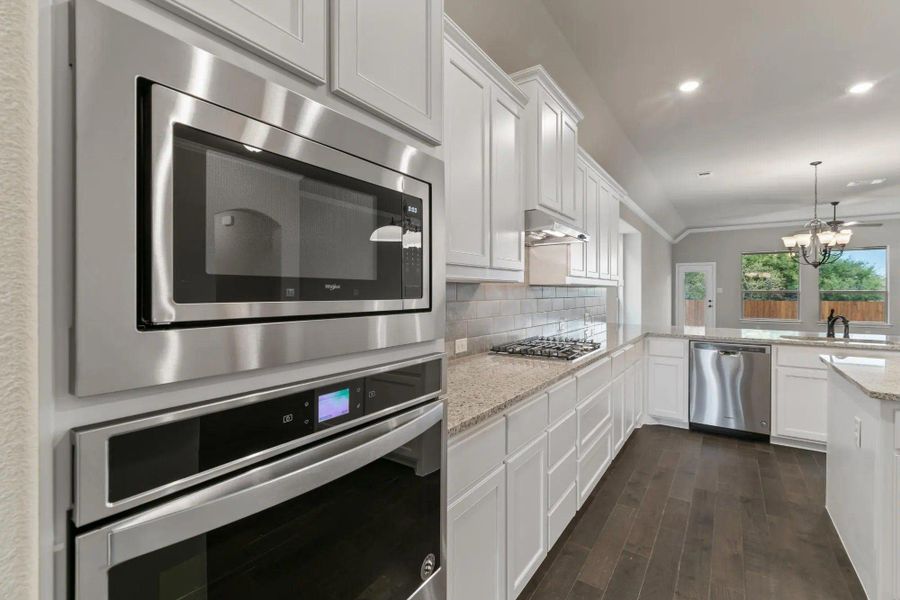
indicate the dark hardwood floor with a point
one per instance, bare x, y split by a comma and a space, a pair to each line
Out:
689, 515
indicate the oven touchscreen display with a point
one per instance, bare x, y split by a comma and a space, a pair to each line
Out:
334, 404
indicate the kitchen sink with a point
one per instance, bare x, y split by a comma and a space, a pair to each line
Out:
822, 338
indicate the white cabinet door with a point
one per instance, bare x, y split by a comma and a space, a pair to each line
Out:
467, 161
639, 398
526, 485
568, 148
550, 115
577, 251
290, 33
592, 202
507, 212
604, 198
386, 57
666, 389
629, 401
618, 410
613, 221
476, 541
801, 403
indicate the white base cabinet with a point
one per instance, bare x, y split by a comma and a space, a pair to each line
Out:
516, 482
476, 540
667, 380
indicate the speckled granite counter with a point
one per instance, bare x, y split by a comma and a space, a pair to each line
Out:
877, 377
484, 385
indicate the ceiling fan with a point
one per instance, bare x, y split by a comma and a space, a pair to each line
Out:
837, 224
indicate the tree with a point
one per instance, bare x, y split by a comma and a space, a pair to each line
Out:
766, 274
849, 274
694, 286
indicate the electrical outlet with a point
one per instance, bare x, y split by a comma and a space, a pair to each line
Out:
461, 346
857, 431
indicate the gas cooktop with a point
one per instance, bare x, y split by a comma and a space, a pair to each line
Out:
550, 347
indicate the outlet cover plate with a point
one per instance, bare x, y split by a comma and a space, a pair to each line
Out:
461, 346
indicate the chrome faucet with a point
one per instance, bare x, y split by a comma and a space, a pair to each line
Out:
832, 319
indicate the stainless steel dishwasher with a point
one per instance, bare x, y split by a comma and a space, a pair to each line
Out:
731, 387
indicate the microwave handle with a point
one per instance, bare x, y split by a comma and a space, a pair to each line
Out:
265, 486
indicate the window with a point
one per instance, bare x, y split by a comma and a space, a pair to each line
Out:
855, 286
770, 286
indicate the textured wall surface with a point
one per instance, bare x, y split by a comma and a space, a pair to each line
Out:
495, 313
18, 299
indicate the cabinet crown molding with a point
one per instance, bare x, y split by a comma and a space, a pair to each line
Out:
617, 189
456, 36
539, 74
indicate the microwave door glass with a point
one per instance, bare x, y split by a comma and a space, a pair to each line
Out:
254, 226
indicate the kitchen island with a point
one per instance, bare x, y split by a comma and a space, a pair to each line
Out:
863, 468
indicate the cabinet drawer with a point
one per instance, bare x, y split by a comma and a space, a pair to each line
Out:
667, 347
804, 358
561, 477
562, 438
619, 360
593, 464
593, 378
526, 423
563, 397
593, 416
474, 455
634, 354
561, 515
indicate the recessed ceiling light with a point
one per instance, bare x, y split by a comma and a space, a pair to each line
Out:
877, 181
860, 182
689, 86
861, 88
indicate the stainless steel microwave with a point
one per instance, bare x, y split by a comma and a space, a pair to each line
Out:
226, 223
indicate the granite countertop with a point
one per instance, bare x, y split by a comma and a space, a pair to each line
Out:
484, 385
877, 377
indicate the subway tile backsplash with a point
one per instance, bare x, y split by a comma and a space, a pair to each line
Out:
495, 313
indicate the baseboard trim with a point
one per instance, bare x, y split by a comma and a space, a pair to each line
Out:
651, 420
850, 558
801, 444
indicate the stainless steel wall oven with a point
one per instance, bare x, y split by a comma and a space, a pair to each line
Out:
332, 489
225, 223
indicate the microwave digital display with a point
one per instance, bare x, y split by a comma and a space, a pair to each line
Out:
333, 405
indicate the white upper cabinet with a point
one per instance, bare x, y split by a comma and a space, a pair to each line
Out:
551, 143
386, 57
577, 252
612, 227
290, 33
592, 223
467, 155
482, 164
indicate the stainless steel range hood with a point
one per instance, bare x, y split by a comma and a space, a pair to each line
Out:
544, 229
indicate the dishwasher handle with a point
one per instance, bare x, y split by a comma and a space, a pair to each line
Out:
729, 353
731, 349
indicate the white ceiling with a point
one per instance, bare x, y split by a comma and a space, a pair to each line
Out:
774, 74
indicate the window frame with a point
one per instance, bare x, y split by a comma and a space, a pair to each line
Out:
887, 291
741, 289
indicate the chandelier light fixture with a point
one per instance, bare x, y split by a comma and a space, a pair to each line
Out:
820, 242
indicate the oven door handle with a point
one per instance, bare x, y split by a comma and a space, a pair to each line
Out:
265, 486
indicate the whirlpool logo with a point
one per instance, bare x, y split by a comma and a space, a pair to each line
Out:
331, 287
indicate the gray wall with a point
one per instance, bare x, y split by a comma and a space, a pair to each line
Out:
724, 248
656, 273
495, 313
518, 34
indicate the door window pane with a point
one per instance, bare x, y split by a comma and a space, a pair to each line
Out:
695, 296
770, 286
855, 286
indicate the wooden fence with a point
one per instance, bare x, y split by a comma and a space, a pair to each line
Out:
770, 309
855, 310
694, 315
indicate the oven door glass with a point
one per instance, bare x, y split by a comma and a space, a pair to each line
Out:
281, 227
371, 534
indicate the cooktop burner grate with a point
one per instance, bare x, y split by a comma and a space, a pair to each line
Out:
549, 347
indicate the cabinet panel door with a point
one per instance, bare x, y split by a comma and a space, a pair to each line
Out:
386, 57
603, 207
618, 410
288, 32
666, 393
628, 415
801, 404
526, 484
550, 116
508, 216
577, 251
476, 541
467, 161
568, 155
639, 397
613, 237
592, 202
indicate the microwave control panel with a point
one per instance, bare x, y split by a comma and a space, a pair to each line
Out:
412, 247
